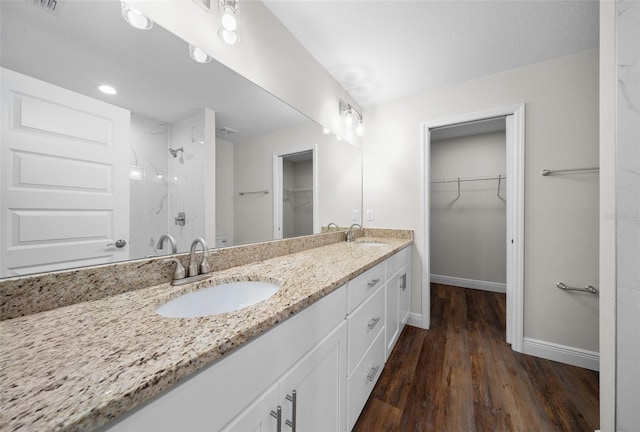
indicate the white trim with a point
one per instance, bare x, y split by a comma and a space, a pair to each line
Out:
562, 353
415, 320
469, 283
515, 216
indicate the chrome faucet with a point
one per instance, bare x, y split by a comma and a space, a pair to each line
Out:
203, 268
351, 235
329, 226
171, 240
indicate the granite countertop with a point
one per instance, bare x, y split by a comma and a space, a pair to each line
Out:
79, 366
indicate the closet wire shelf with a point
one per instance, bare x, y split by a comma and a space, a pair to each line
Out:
499, 178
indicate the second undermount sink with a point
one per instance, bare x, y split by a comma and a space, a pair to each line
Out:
218, 299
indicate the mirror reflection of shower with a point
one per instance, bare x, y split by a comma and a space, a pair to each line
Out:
174, 153
297, 196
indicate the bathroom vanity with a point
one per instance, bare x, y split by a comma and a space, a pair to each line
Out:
309, 355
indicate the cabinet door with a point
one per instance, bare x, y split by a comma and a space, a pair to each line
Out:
392, 313
319, 381
258, 417
405, 294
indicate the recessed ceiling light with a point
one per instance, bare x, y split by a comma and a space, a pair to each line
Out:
107, 89
134, 17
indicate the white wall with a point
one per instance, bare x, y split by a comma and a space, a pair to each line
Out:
468, 234
627, 188
338, 188
561, 240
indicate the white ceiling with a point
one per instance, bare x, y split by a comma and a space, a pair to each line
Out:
384, 50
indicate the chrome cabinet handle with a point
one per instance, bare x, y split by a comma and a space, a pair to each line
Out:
373, 323
372, 283
294, 409
403, 283
373, 372
278, 416
119, 243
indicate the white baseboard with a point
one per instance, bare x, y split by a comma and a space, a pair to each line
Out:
415, 320
562, 353
469, 283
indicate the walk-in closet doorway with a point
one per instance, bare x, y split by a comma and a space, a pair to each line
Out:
474, 192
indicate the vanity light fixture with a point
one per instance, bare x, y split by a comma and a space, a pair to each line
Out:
134, 17
348, 118
107, 89
360, 128
198, 55
228, 21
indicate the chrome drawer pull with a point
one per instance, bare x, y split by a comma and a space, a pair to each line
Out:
373, 323
278, 416
403, 283
293, 399
372, 283
373, 372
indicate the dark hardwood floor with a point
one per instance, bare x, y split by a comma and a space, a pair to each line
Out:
461, 376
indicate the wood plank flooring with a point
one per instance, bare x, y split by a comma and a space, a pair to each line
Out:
461, 376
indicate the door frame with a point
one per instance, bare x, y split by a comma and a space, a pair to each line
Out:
515, 140
278, 184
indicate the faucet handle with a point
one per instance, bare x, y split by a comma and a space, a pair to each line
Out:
204, 265
179, 272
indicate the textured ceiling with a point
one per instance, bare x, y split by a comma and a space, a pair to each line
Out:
383, 50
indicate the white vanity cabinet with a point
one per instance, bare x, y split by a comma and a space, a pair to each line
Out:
398, 289
309, 397
366, 349
306, 353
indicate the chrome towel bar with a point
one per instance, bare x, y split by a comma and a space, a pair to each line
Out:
254, 192
546, 172
588, 288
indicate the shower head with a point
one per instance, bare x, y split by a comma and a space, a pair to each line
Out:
174, 153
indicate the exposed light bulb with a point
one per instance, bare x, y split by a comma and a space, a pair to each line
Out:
198, 55
229, 37
107, 89
135, 17
228, 19
359, 129
348, 118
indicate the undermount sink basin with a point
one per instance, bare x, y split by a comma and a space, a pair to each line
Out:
370, 243
218, 299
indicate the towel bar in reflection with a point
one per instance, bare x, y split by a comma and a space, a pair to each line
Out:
588, 288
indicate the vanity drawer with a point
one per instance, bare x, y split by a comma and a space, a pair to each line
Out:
363, 326
364, 285
395, 262
361, 382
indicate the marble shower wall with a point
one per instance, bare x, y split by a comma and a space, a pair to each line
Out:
148, 186
162, 185
186, 179
628, 215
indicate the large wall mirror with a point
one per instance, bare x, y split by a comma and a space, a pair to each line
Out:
183, 149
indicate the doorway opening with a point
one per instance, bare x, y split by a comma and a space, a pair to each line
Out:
294, 194
509, 190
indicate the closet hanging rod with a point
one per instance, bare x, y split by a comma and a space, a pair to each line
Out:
588, 288
546, 172
265, 192
469, 179
288, 189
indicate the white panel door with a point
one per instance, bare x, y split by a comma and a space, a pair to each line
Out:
64, 181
